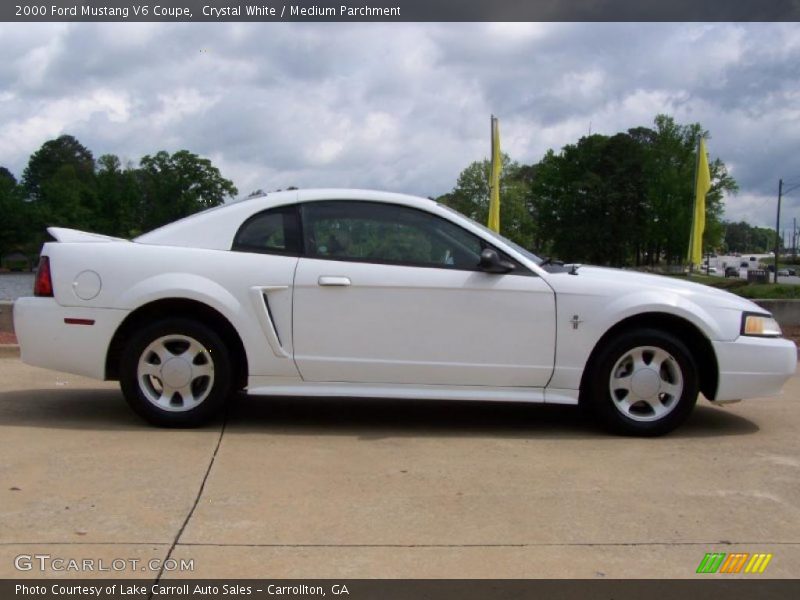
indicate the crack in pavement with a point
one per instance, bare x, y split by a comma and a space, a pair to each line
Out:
194, 505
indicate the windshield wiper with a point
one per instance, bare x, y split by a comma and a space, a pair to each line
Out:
548, 260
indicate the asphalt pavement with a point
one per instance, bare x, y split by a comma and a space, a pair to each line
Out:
301, 488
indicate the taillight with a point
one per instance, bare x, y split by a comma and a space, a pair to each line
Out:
44, 283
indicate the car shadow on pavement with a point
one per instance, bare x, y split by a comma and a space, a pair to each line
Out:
372, 419
376, 418
712, 421
369, 419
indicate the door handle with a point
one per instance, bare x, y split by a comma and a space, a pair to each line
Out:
333, 280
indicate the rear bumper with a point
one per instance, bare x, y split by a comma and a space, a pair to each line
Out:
751, 367
46, 340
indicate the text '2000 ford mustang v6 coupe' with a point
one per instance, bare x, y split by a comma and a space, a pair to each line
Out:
357, 293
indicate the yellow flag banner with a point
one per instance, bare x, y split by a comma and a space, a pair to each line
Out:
702, 185
494, 183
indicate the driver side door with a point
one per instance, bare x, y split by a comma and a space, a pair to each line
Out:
392, 294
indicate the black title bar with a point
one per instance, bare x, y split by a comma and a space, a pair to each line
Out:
714, 588
400, 10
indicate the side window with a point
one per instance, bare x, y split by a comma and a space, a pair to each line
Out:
273, 231
385, 233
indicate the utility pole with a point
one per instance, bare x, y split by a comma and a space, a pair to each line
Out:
778, 229
784, 189
794, 239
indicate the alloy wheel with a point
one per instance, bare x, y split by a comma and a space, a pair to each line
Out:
175, 373
646, 383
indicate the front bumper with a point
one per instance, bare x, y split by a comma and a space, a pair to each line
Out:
45, 339
752, 367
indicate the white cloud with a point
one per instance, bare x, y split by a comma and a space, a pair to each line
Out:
180, 104
49, 118
399, 106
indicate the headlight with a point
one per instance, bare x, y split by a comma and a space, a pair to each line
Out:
760, 325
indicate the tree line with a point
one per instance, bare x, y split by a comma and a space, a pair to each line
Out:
743, 238
623, 199
64, 185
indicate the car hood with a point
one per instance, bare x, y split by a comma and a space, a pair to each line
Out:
604, 281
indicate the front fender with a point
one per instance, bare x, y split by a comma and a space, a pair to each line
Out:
575, 343
719, 324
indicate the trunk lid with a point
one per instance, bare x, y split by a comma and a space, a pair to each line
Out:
63, 234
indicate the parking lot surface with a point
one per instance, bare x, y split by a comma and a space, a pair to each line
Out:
301, 488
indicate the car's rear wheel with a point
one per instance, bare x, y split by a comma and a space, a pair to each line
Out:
176, 373
644, 382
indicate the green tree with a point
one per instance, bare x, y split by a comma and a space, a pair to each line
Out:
52, 157
763, 240
471, 198
7, 176
628, 198
178, 185
119, 198
59, 182
14, 226
743, 238
670, 152
589, 200
62, 185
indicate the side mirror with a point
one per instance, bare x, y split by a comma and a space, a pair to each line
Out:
492, 263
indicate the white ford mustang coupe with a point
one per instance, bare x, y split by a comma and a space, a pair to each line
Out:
357, 293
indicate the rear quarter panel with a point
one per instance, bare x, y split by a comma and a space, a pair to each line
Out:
133, 275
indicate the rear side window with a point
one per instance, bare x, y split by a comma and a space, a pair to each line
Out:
274, 231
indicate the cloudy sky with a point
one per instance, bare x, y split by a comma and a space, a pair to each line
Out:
401, 107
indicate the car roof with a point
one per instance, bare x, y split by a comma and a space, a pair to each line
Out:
214, 228
357, 194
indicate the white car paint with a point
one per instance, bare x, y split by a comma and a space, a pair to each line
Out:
401, 326
391, 330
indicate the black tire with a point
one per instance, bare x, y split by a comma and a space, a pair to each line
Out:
623, 411
205, 364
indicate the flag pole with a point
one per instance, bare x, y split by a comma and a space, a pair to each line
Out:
491, 165
493, 221
694, 206
491, 160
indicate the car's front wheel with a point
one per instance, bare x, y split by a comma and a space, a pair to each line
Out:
644, 382
176, 373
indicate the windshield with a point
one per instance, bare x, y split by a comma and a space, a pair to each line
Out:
496, 236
